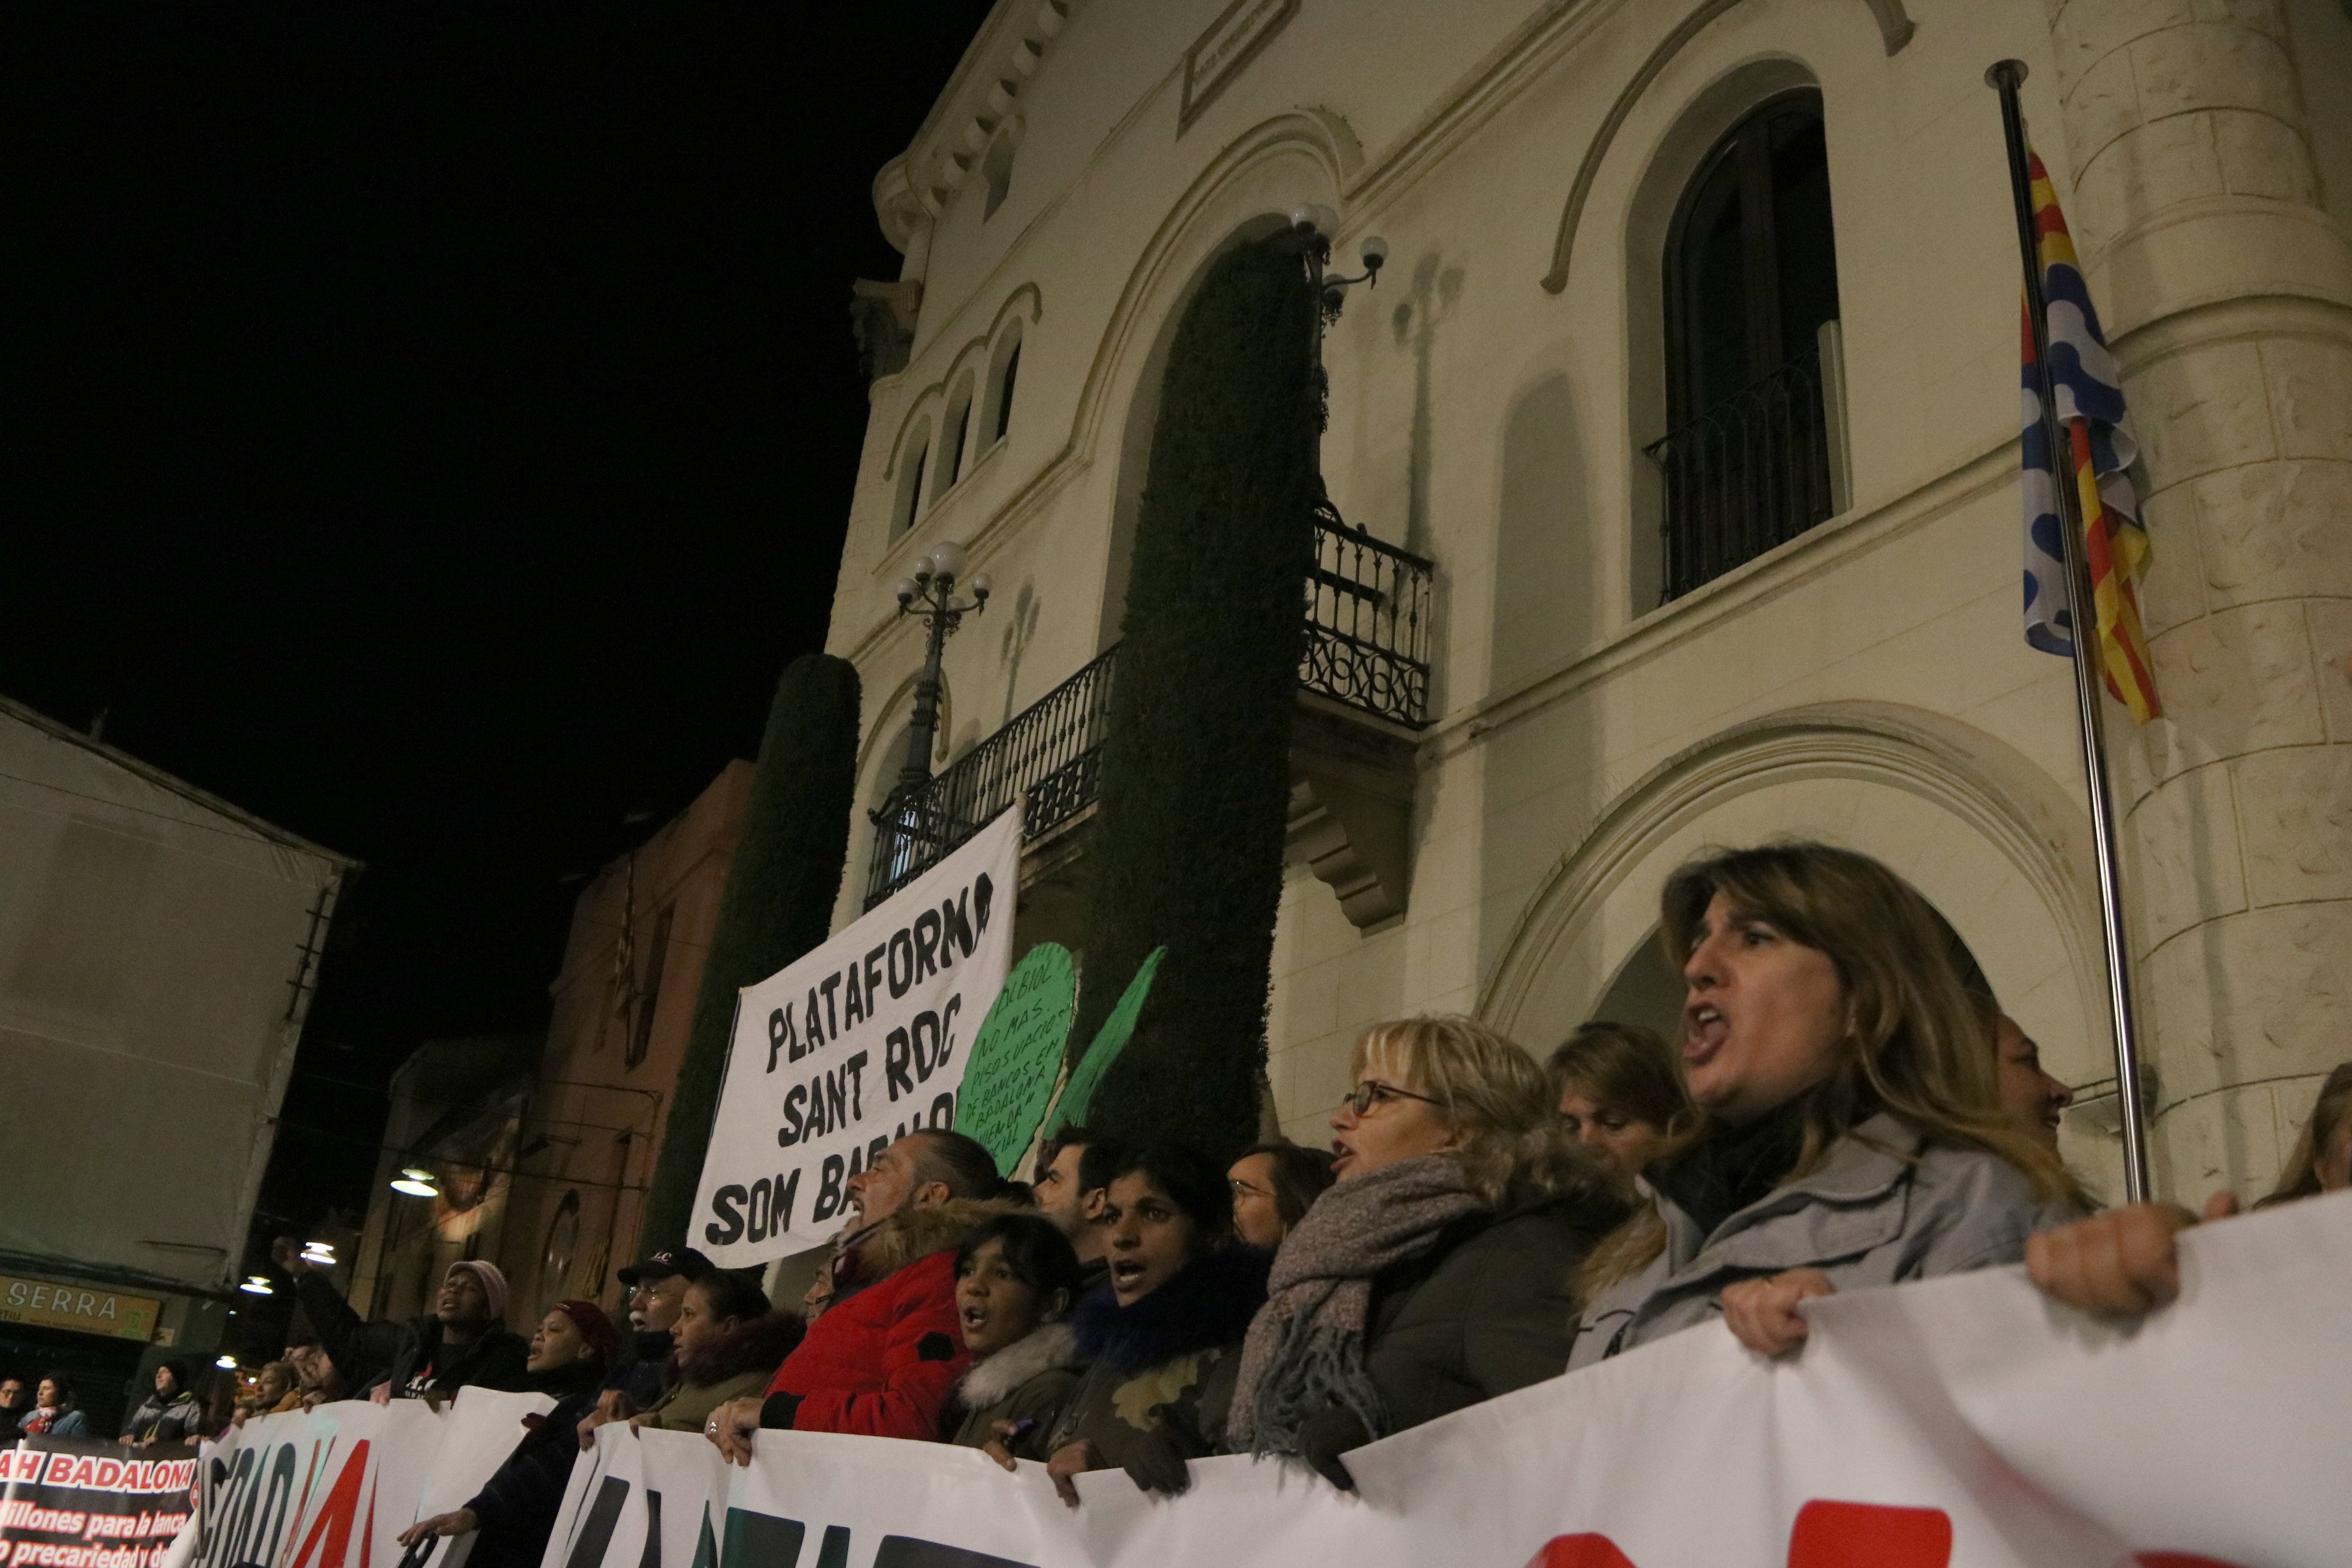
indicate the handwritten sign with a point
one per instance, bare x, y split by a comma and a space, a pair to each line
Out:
1078, 1097
1017, 1054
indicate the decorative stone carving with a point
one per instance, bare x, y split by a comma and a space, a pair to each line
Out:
1351, 808
883, 315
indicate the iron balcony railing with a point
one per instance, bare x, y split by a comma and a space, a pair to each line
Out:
1047, 757
1368, 625
1749, 474
1368, 635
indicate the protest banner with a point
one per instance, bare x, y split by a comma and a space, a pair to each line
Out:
335, 1487
852, 1045
1958, 1423
69, 1502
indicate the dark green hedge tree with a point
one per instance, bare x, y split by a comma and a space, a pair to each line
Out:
781, 889
1195, 769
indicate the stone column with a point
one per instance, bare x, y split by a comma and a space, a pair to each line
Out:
2227, 295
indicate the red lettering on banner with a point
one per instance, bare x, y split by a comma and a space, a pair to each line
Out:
1579, 1552
337, 1513
1869, 1535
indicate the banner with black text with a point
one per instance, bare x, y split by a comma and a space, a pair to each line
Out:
855, 1043
1961, 1423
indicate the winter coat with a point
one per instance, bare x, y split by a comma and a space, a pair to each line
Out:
739, 1362
638, 1376
1489, 1308
516, 1509
67, 1423
1163, 1370
1885, 1207
366, 1353
1029, 1380
164, 1420
883, 1359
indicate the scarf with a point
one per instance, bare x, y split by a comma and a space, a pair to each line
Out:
1735, 1167
42, 1417
1209, 1303
1305, 1352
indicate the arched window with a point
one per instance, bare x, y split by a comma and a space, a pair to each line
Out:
953, 432
911, 464
1003, 370
1753, 456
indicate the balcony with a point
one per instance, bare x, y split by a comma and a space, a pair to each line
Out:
1753, 472
1366, 606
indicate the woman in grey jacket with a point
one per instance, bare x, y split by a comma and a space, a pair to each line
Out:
1853, 1133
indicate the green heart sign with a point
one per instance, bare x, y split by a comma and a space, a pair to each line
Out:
1078, 1096
1017, 1054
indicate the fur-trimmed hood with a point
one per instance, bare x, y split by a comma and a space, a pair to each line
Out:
1209, 1302
757, 1344
889, 1244
1043, 1349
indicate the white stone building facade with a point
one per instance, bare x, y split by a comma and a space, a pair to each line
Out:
1532, 167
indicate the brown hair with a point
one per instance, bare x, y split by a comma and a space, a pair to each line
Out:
1915, 1045
1627, 1067
2329, 1112
1491, 1093
1300, 1176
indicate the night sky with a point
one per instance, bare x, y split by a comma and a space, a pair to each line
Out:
430, 426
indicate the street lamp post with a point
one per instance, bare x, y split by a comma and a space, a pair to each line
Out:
930, 594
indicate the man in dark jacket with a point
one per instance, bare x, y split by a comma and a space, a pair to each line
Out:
465, 1342
657, 1291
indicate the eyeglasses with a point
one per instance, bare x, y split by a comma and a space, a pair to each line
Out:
1372, 1091
1247, 1189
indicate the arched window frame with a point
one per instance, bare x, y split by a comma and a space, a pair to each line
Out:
955, 439
907, 506
1715, 515
1003, 372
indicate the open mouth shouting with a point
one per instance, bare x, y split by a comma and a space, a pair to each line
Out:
1704, 1031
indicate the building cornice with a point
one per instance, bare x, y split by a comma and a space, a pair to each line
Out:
912, 188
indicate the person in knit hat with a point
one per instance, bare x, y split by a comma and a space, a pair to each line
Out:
516, 1509
464, 1342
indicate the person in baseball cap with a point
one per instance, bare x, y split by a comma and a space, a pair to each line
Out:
683, 1262
657, 1286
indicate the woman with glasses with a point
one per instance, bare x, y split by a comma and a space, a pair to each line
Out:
1274, 1185
1438, 1269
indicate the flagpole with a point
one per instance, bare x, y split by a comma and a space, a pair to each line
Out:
2004, 77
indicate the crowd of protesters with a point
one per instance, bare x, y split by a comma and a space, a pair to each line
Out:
1844, 1109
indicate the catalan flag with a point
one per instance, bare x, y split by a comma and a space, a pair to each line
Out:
2089, 393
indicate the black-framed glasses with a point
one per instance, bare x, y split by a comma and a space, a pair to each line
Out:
1372, 1091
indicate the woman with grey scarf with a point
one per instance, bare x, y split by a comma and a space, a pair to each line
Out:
1439, 1271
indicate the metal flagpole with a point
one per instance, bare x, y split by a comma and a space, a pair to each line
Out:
2005, 76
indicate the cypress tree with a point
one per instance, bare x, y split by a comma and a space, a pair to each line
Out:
781, 889
1195, 768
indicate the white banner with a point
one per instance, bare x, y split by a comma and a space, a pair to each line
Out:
858, 1044
335, 1487
1964, 1423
